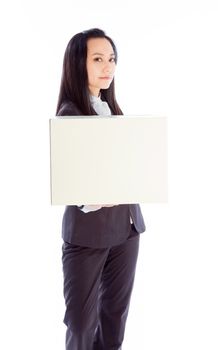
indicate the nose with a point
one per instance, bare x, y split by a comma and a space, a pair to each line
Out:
107, 68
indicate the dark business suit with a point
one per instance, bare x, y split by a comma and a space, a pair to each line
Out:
99, 258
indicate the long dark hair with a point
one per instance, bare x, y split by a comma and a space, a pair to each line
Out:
74, 81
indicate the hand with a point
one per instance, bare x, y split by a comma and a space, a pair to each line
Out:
101, 205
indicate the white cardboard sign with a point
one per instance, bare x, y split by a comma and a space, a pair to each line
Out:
108, 160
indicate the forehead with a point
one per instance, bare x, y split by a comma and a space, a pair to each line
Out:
99, 45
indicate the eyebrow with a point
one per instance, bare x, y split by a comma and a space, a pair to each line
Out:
101, 54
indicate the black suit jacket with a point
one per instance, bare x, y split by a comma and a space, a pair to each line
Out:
102, 228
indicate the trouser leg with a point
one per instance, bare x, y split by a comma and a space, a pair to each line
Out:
82, 268
115, 292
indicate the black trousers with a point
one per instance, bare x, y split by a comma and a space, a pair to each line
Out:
97, 290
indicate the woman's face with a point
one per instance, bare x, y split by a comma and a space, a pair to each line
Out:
100, 64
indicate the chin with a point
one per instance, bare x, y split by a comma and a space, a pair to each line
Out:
105, 86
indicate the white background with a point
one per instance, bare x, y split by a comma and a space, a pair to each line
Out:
167, 66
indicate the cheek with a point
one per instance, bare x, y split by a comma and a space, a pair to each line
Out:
89, 68
95, 74
92, 72
113, 69
90, 75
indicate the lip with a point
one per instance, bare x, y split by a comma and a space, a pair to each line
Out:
106, 78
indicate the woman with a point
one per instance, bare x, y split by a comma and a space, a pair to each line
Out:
101, 242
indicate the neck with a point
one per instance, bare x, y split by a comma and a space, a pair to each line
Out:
94, 92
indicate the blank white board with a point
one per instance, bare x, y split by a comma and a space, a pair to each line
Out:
108, 160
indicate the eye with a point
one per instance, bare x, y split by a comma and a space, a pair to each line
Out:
98, 59
112, 59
